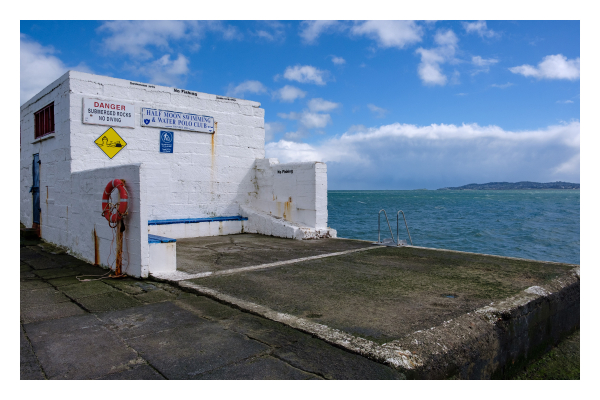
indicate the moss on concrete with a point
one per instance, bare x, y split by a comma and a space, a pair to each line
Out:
562, 362
385, 293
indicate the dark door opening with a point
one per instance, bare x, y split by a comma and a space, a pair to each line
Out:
35, 193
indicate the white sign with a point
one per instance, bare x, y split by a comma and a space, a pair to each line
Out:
176, 120
108, 112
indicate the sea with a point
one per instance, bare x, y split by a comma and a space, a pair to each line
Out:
533, 224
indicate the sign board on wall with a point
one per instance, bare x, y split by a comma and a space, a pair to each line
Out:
155, 118
110, 143
166, 142
108, 112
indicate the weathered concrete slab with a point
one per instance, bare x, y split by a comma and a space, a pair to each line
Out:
385, 293
217, 253
207, 308
429, 313
138, 372
185, 352
80, 290
147, 319
50, 311
108, 302
265, 367
173, 328
30, 298
30, 368
35, 284
78, 348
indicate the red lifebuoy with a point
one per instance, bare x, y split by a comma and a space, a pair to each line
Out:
106, 209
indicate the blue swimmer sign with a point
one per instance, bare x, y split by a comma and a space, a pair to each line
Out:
152, 117
166, 142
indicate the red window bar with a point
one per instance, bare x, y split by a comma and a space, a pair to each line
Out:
44, 121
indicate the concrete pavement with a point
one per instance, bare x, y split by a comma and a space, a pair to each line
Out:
135, 329
252, 322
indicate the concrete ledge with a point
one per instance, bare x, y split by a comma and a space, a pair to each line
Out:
163, 254
266, 224
197, 227
194, 220
482, 344
160, 239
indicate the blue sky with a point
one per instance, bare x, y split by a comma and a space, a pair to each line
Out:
387, 104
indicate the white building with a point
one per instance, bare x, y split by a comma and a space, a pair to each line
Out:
215, 183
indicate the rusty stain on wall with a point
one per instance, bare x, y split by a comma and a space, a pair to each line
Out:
287, 210
96, 248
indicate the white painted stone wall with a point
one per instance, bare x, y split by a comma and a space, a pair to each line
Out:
290, 200
55, 168
207, 175
84, 217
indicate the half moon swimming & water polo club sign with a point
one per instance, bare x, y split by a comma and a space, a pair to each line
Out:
156, 118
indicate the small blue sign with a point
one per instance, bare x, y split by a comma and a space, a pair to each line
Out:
166, 142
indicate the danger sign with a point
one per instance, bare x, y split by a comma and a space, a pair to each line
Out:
110, 143
108, 112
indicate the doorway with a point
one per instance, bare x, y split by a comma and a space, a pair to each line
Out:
35, 194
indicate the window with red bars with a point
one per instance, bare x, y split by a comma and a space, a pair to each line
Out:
44, 121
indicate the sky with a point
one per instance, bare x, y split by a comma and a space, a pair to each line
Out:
386, 104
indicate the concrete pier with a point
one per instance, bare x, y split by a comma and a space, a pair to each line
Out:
274, 308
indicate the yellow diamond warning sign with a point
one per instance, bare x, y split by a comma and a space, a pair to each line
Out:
110, 143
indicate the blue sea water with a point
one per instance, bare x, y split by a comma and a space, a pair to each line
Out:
533, 224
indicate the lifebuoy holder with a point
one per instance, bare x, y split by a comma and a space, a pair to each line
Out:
115, 212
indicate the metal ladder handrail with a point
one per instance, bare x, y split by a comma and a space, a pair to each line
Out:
379, 226
397, 223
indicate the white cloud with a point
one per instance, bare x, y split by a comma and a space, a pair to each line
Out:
271, 31
288, 94
378, 111
502, 86
39, 67
480, 28
292, 115
295, 136
306, 74
338, 60
397, 34
570, 167
319, 105
312, 120
240, 90
308, 119
271, 129
165, 71
551, 67
482, 64
467, 153
429, 68
134, 37
311, 30
564, 101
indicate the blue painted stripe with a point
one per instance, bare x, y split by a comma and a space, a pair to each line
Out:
195, 220
159, 239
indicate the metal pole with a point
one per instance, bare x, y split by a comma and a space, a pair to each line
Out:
379, 227
397, 219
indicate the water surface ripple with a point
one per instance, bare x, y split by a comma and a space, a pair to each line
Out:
533, 224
